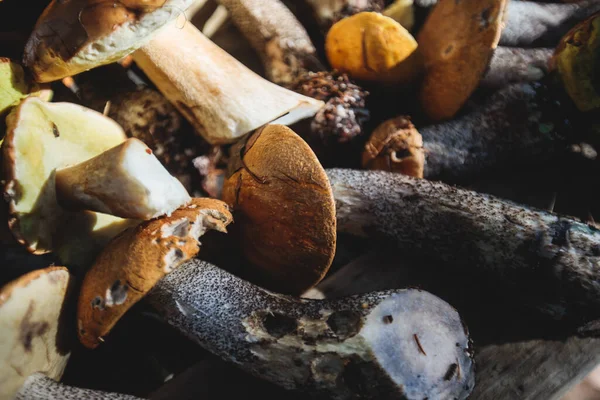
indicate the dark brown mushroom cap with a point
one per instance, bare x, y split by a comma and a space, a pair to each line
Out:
457, 42
132, 263
284, 209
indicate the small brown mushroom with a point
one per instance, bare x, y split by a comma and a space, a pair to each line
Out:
456, 59
42, 137
32, 323
127, 181
131, 264
284, 209
395, 146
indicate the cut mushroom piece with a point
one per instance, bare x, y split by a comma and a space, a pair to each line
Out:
456, 59
131, 264
373, 47
127, 181
283, 207
14, 86
39, 387
214, 91
577, 62
42, 137
35, 335
371, 346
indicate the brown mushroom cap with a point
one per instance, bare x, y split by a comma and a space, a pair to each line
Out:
457, 42
395, 146
577, 62
42, 137
33, 337
284, 209
76, 35
132, 263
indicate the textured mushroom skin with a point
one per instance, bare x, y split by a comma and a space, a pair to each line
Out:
132, 263
456, 59
40, 387
34, 337
548, 260
283, 208
73, 36
356, 347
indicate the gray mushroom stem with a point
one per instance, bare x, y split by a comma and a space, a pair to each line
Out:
39, 387
401, 344
513, 64
521, 124
548, 260
536, 24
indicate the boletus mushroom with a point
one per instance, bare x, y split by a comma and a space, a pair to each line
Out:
42, 137
196, 75
131, 264
283, 207
35, 333
127, 181
399, 344
577, 61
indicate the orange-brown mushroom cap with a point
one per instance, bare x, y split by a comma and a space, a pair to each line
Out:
134, 262
284, 209
457, 42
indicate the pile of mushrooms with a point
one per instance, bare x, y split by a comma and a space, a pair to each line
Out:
149, 174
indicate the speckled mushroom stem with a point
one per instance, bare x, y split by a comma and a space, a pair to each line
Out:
401, 344
514, 64
40, 387
522, 124
533, 24
277, 36
289, 57
547, 259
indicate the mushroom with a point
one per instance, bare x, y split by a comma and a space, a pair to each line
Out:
131, 264
35, 336
127, 181
289, 58
375, 345
403, 12
395, 146
328, 12
40, 387
512, 65
577, 61
215, 92
373, 47
556, 252
14, 86
284, 209
455, 60
40, 138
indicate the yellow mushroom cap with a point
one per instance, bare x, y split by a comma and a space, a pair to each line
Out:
373, 47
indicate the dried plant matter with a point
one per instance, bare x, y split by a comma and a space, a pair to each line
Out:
377, 345
547, 259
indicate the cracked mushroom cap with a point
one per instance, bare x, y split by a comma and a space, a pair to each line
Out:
14, 86
76, 35
577, 62
134, 261
284, 208
457, 42
40, 138
34, 337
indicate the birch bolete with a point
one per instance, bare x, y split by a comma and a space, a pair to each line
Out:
213, 90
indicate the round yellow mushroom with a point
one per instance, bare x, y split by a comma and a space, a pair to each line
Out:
373, 47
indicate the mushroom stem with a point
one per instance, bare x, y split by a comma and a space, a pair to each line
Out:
375, 345
520, 124
39, 387
515, 244
222, 98
513, 64
277, 36
529, 23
